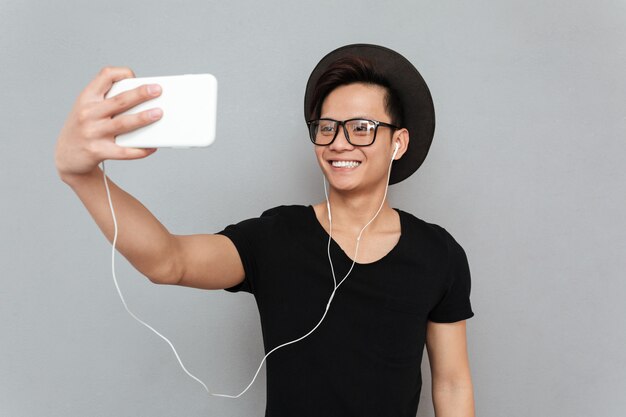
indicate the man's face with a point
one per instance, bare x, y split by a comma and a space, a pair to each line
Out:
348, 167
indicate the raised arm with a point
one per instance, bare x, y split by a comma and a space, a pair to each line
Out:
86, 139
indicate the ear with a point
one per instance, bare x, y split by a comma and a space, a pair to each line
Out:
400, 136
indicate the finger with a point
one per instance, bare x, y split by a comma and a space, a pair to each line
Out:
110, 150
103, 81
126, 100
129, 122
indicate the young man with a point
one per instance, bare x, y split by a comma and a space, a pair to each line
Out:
384, 282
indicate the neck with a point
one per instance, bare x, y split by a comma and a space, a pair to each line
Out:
352, 211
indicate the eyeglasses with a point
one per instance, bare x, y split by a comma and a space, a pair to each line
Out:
358, 132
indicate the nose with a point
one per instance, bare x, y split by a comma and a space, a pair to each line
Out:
341, 143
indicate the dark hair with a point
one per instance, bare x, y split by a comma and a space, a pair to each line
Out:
350, 70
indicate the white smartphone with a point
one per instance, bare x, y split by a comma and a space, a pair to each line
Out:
189, 104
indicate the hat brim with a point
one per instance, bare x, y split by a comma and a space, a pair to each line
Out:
417, 103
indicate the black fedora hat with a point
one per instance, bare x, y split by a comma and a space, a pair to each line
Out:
417, 103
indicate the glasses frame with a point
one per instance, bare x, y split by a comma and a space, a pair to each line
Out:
345, 130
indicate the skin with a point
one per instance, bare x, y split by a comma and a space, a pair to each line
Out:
356, 193
211, 261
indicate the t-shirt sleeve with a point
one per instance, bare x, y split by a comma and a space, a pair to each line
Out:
455, 304
249, 237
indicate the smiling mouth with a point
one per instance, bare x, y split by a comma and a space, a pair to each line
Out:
345, 164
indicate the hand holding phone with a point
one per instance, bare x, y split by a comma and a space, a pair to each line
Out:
189, 111
88, 134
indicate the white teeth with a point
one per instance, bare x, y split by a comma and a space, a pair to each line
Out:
346, 164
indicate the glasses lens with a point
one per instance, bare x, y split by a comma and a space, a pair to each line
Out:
322, 132
361, 132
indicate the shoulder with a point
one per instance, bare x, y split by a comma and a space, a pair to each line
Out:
289, 220
286, 211
271, 224
423, 229
275, 217
428, 232
278, 213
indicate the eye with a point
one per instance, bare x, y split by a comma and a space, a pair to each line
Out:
362, 127
327, 128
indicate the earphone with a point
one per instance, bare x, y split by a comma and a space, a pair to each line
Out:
332, 295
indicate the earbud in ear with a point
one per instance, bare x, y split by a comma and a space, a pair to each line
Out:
396, 150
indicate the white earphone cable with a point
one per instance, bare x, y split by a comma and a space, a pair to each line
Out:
332, 295
106, 185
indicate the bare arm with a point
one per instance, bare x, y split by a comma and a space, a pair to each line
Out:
452, 389
87, 138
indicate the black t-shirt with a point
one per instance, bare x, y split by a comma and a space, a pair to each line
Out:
364, 359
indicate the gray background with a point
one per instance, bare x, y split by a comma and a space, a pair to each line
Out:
526, 171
